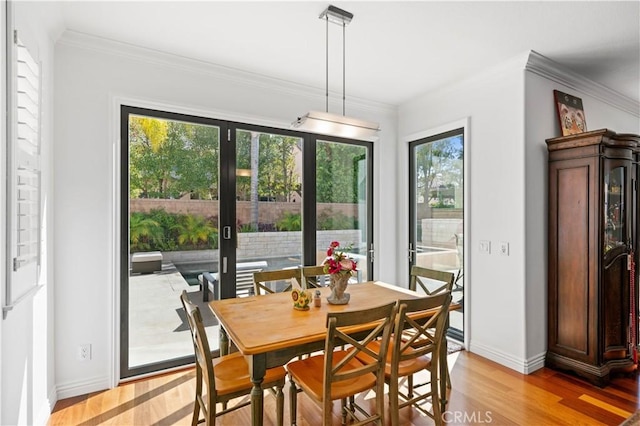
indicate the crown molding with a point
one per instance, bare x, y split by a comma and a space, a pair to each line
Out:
159, 58
545, 67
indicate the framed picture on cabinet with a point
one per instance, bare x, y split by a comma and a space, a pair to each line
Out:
570, 113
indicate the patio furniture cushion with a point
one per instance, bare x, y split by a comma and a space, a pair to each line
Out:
146, 262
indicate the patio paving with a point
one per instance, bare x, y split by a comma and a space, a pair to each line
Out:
158, 329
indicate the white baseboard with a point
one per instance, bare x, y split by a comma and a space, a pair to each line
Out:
82, 387
502, 358
42, 417
534, 363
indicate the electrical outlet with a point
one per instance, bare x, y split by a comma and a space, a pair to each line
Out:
504, 248
84, 352
485, 246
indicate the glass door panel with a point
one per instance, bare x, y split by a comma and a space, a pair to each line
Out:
614, 207
268, 175
342, 202
436, 210
170, 234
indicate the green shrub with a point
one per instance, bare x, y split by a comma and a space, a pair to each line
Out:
290, 222
159, 230
247, 227
334, 221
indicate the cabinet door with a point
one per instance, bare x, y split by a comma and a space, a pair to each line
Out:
614, 292
615, 207
573, 258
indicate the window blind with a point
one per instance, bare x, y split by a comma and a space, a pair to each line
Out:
25, 174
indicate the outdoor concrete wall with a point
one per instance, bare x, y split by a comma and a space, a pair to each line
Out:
261, 245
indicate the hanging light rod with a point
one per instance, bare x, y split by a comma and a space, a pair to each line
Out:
336, 15
325, 122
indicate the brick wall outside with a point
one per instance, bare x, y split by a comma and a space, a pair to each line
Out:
269, 212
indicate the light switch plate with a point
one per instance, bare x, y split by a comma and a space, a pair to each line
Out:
485, 246
504, 248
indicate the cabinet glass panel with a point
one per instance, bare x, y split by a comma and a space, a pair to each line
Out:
614, 208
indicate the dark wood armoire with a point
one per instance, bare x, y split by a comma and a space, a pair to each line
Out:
593, 245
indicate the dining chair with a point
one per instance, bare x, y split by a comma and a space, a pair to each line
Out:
267, 282
226, 377
432, 282
313, 277
349, 333
420, 353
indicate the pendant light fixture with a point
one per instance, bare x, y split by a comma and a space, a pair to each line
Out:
325, 122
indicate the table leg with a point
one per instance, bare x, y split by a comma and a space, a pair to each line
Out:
224, 342
257, 366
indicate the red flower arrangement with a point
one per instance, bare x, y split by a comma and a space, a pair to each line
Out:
337, 262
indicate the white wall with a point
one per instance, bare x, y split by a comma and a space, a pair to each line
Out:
603, 109
92, 76
3, 177
494, 154
27, 348
511, 114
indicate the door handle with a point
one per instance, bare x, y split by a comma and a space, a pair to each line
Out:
226, 232
411, 252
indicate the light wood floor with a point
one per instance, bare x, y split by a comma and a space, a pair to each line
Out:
483, 393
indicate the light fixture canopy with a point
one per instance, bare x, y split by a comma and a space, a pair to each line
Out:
335, 15
325, 122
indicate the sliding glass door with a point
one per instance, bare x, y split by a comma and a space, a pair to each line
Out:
436, 211
169, 237
269, 201
343, 199
206, 203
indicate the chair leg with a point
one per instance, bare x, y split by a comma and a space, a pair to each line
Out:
196, 413
435, 399
380, 400
210, 418
393, 403
410, 386
293, 401
196, 405
444, 380
279, 404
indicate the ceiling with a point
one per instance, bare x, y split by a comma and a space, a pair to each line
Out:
394, 50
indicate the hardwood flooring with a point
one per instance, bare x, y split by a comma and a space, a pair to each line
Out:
483, 393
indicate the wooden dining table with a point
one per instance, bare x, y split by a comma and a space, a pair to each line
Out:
269, 332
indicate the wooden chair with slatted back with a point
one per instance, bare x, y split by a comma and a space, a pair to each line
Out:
433, 282
344, 376
314, 277
267, 282
420, 353
226, 377
423, 351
